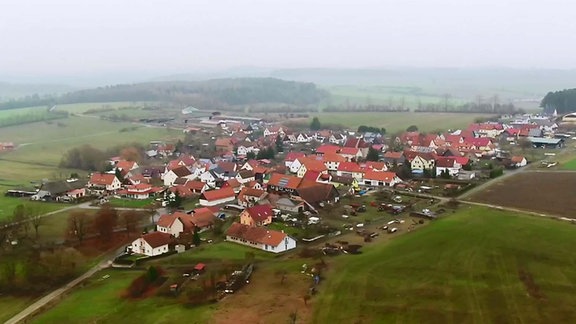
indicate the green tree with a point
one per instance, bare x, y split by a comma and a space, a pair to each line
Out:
372, 155
174, 200
412, 128
279, 144
251, 155
196, 238
315, 124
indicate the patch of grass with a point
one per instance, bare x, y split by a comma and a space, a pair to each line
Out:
10, 306
105, 304
479, 265
131, 203
570, 165
8, 204
216, 251
399, 121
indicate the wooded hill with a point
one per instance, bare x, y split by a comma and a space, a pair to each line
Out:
563, 101
201, 94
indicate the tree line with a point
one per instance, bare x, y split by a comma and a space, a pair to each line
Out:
563, 101
89, 158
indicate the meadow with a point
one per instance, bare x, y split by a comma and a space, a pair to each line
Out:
479, 265
399, 121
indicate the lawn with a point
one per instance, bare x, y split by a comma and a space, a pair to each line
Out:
131, 203
10, 306
100, 301
215, 251
478, 265
8, 204
570, 165
399, 121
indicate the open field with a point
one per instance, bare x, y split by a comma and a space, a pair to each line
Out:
399, 121
464, 268
546, 192
570, 165
10, 306
100, 301
8, 204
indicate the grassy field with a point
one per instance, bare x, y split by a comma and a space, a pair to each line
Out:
100, 301
10, 306
570, 165
479, 265
395, 122
8, 204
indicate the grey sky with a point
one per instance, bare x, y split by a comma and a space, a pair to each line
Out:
42, 37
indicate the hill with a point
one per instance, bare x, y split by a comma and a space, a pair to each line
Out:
476, 266
10, 91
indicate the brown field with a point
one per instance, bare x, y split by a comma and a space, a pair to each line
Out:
545, 192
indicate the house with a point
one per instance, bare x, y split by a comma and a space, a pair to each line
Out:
260, 238
394, 158
245, 176
61, 190
332, 161
152, 244
291, 205
232, 183
203, 218
274, 130
178, 172
376, 166
350, 169
196, 186
217, 197
126, 165
104, 182
327, 149
243, 148
518, 161
423, 161
317, 194
175, 224
311, 165
139, 191
351, 153
248, 197
291, 157
447, 164
258, 215
210, 178
380, 179
281, 183
223, 145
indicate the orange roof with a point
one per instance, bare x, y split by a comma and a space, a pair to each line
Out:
379, 176
125, 165
327, 148
349, 151
284, 181
219, 194
349, 167
223, 142
313, 165
102, 178
156, 239
517, 159
333, 157
260, 235
376, 165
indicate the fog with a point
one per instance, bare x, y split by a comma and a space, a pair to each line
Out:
43, 38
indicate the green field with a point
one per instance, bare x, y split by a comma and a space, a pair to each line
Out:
100, 301
10, 306
477, 266
570, 165
399, 121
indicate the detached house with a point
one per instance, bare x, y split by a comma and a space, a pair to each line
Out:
423, 161
248, 197
260, 238
175, 224
281, 183
217, 197
178, 172
104, 182
350, 169
381, 179
311, 165
258, 215
152, 244
447, 164
291, 157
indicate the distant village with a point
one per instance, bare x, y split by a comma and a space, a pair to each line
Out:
304, 172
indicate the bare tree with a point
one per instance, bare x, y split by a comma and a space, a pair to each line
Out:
130, 218
105, 221
35, 217
77, 225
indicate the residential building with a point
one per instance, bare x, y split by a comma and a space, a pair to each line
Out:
260, 238
258, 215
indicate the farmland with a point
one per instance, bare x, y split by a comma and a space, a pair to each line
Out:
399, 121
546, 192
463, 268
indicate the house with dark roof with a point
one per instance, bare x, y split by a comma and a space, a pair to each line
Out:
258, 215
61, 190
248, 197
152, 244
178, 172
396, 158
260, 238
317, 194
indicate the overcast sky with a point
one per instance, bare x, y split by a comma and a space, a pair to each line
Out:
44, 37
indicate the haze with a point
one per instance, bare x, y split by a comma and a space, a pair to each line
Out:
41, 38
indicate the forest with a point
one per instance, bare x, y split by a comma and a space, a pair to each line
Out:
208, 94
563, 101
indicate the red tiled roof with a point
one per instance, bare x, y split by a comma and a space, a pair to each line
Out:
260, 212
218, 194
393, 155
327, 148
292, 156
156, 239
349, 151
311, 175
125, 165
379, 176
229, 167
445, 162
102, 178
223, 142
349, 167
517, 159
461, 160
181, 171
333, 157
313, 165
195, 185
203, 219
284, 181
379, 166
260, 235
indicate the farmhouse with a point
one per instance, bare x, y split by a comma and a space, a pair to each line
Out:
152, 244
63, 190
258, 215
260, 238
217, 197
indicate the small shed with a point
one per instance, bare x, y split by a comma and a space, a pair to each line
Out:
199, 268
